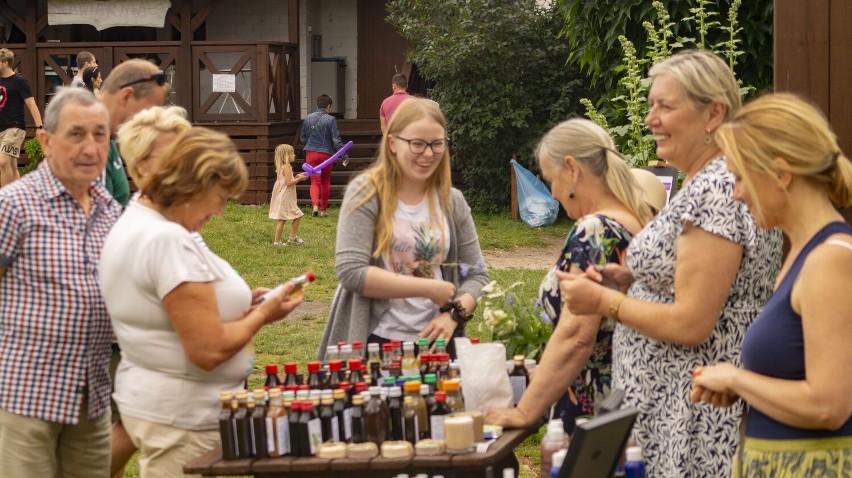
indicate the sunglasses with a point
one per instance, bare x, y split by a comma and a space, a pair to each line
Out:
159, 77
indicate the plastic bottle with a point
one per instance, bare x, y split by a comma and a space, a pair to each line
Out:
554, 440
359, 424
635, 465
441, 346
311, 429
357, 350
454, 397
410, 364
558, 460
412, 389
373, 356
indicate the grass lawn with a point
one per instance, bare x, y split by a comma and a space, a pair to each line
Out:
243, 236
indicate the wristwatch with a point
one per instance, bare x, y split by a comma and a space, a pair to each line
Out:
457, 311
41, 126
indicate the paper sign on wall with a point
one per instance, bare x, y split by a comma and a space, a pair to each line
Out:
224, 83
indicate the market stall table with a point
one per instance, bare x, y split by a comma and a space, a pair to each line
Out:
498, 456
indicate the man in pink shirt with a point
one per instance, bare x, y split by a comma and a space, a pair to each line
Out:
399, 83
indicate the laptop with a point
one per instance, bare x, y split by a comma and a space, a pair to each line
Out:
597, 445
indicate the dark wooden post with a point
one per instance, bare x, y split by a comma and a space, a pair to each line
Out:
183, 64
30, 65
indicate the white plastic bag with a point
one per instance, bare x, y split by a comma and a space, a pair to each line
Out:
485, 383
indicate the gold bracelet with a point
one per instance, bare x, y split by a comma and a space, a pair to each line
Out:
615, 305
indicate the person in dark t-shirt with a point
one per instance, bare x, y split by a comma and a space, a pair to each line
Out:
15, 92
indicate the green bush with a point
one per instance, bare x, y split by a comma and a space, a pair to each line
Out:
500, 75
34, 154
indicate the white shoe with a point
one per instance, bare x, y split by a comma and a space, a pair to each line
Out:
279, 243
296, 240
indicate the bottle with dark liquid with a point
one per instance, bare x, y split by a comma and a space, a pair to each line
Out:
355, 371
432, 381
293, 419
291, 378
359, 423
395, 413
328, 420
272, 379
425, 362
333, 378
429, 400
343, 412
437, 414
375, 373
243, 423
376, 414
227, 427
519, 378
258, 422
312, 429
314, 380
411, 432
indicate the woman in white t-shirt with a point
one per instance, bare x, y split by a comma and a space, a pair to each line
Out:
183, 317
407, 254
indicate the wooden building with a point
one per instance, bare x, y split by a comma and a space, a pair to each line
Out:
250, 69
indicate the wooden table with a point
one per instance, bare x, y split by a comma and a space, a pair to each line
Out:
498, 456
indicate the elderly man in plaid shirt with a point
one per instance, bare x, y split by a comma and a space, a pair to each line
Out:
55, 333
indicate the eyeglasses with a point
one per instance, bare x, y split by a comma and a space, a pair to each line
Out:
418, 146
159, 77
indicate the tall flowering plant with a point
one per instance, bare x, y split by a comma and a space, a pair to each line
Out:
515, 320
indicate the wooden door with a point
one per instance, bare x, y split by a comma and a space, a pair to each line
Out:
381, 54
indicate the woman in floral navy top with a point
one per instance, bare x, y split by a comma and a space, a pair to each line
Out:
593, 183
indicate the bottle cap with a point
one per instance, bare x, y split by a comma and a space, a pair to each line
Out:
346, 349
518, 360
440, 343
357, 345
260, 393
327, 400
375, 390
558, 458
430, 378
327, 394
273, 392
451, 386
424, 357
412, 386
313, 367
387, 347
339, 394
406, 346
332, 350
395, 392
315, 394
242, 395
474, 341
389, 380
361, 386
226, 396
396, 343
272, 369
424, 389
307, 406
287, 394
357, 399
423, 342
344, 385
334, 365
509, 473
440, 396
341, 343
634, 453
373, 347
291, 367
354, 364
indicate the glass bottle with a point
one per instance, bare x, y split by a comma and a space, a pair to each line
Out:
442, 371
376, 413
332, 353
293, 422
375, 373
410, 364
519, 378
412, 389
243, 424
387, 358
373, 355
395, 413
410, 420
314, 380
291, 378
258, 421
397, 350
358, 350
432, 381
454, 397
429, 400
333, 379
343, 413
348, 391
355, 371
359, 423
425, 360
440, 346
227, 427
437, 414
272, 379
345, 352
328, 420
277, 427
310, 429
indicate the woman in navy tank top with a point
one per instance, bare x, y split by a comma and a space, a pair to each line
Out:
797, 354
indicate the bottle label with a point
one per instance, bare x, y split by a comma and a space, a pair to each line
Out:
413, 423
436, 425
519, 386
271, 443
347, 423
314, 434
282, 428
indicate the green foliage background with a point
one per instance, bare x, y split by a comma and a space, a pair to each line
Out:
592, 27
501, 78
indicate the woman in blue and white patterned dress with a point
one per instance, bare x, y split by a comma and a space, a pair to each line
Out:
698, 275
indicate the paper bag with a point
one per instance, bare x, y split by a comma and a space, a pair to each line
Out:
485, 383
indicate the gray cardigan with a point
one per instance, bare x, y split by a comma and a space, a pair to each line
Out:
353, 316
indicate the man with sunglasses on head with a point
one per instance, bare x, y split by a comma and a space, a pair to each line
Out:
130, 88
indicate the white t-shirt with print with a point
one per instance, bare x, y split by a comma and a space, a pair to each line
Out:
411, 228
144, 258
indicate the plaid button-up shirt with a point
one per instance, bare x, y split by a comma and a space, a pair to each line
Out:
55, 333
